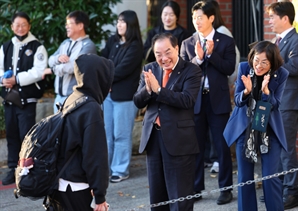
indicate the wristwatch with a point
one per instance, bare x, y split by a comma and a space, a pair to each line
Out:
158, 90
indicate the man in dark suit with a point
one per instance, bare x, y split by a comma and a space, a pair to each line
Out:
215, 54
282, 15
168, 134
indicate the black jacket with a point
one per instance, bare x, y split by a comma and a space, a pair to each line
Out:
84, 128
128, 66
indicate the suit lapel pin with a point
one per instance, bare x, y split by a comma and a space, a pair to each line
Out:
178, 72
217, 40
275, 75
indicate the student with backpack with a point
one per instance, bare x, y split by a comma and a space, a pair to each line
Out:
84, 130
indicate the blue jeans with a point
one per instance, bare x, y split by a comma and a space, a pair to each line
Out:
58, 99
119, 119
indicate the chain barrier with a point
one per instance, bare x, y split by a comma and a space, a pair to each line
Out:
205, 193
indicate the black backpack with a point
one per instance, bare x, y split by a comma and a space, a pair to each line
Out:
36, 174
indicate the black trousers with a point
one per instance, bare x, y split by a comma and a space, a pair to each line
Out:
18, 121
170, 177
204, 121
71, 201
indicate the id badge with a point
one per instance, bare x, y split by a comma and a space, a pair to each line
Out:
261, 116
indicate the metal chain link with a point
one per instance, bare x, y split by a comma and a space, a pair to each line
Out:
205, 193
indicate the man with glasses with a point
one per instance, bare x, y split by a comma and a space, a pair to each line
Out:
281, 18
62, 61
169, 88
22, 61
215, 54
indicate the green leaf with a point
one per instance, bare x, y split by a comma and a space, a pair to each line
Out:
48, 19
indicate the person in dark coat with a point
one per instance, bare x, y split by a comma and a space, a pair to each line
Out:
261, 79
168, 134
170, 12
215, 53
282, 16
88, 172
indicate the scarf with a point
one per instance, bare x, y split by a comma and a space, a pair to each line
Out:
256, 141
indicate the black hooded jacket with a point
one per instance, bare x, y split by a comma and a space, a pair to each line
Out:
84, 128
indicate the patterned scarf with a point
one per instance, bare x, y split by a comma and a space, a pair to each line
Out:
255, 141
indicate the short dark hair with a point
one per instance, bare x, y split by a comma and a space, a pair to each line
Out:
21, 15
284, 8
206, 6
174, 5
80, 17
272, 53
132, 26
166, 35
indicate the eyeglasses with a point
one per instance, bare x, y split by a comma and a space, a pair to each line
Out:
24, 25
261, 63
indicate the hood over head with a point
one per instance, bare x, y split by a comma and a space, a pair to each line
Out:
94, 75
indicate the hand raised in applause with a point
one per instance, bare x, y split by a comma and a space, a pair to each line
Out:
265, 83
199, 50
209, 47
247, 83
151, 82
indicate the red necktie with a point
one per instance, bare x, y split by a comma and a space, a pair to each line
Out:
164, 83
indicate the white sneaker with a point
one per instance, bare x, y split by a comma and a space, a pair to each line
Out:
215, 168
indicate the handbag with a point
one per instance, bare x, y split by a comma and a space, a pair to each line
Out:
261, 116
13, 96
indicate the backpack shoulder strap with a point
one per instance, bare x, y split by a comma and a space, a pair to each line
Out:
76, 104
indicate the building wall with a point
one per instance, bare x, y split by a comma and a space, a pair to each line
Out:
183, 12
268, 34
226, 12
225, 7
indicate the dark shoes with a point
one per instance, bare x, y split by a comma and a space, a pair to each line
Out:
290, 201
225, 197
10, 178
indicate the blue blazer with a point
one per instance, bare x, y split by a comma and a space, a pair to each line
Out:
174, 105
238, 121
218, 67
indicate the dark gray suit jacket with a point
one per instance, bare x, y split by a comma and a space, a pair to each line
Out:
174, 105
289, 52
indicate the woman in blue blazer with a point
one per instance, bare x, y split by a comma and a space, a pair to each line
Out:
260, 79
